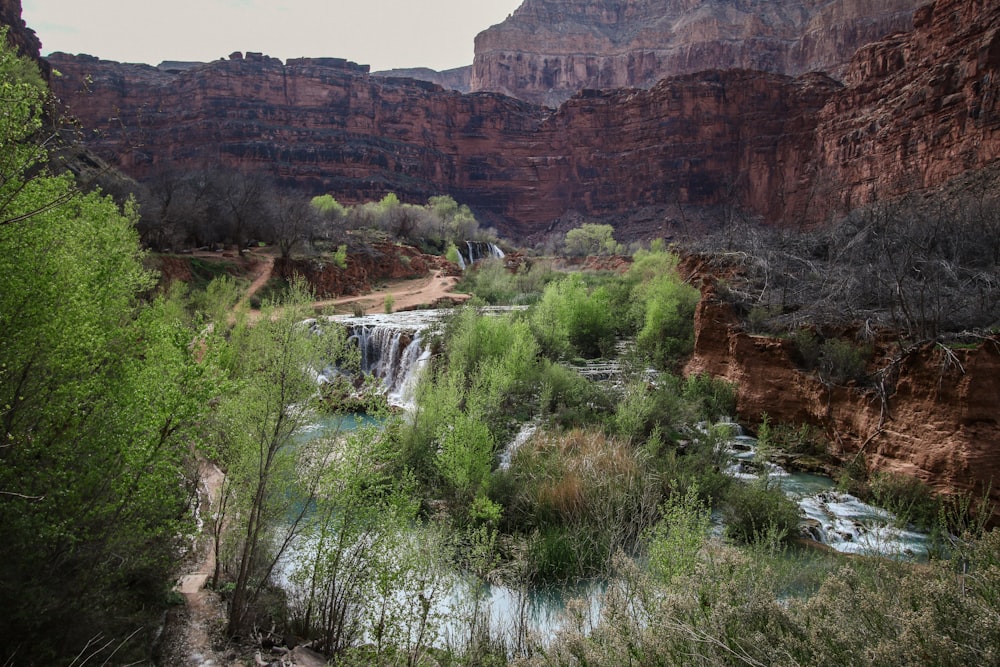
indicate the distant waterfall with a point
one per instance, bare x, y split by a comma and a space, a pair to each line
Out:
475, 251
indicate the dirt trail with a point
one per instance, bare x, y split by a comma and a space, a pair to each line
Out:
406, 295
263, 274
188, 641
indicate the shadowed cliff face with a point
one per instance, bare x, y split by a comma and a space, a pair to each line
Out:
916, 110
549, 49
328, 126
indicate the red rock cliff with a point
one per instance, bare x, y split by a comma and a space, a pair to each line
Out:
328, 126
549, 49
917, 109
939, 422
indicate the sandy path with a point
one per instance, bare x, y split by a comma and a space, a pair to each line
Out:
188, 640
406, 295
263, 274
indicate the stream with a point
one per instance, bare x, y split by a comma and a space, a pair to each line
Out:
394, 349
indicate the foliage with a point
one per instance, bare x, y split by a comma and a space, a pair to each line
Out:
591, 239
676, 539
738, 609
661, 308
491, 280
99, 398
580, 496
573, 320
359, 571
760, 512
568, 399
463, 405
841, 361
268, 364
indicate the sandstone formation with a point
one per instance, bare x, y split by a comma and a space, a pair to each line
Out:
459, 79
328, 126
20, 35
547, 50
915, 110
938, 421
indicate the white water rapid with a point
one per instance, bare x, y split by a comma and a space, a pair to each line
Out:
839, 520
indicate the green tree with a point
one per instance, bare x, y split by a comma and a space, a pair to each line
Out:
591, 239
271, 365
99, 396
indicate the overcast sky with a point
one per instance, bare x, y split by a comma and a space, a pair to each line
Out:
381, 33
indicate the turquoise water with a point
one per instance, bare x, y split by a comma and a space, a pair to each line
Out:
329, 425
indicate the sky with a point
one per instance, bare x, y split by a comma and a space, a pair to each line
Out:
382, 33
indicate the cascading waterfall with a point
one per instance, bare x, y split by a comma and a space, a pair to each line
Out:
839, 520
476, 251
393, 349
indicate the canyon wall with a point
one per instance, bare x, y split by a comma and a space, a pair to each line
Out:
938, 422
549, 49
326, 125
20, 35
915, 110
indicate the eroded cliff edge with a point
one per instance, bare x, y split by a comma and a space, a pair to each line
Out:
915, 111
932, 415
549, 49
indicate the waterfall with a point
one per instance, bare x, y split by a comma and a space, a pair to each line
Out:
393, 348
523, 436
839, 520
476, 251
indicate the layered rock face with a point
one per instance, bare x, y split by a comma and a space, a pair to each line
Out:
459, 79
937, 420
916, 110
328, 126
549, 49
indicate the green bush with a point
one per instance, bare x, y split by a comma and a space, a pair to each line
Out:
841, 361
591, 239
570, 320
714, 398
908, 498
568, 399
583, 495
660, 308
757, 512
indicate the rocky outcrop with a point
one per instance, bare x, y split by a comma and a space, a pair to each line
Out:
20, 35
938, 421
547, 50
915, 111
459, 79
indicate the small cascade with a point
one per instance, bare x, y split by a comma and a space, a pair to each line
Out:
478, 250
523, 436
839, 520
